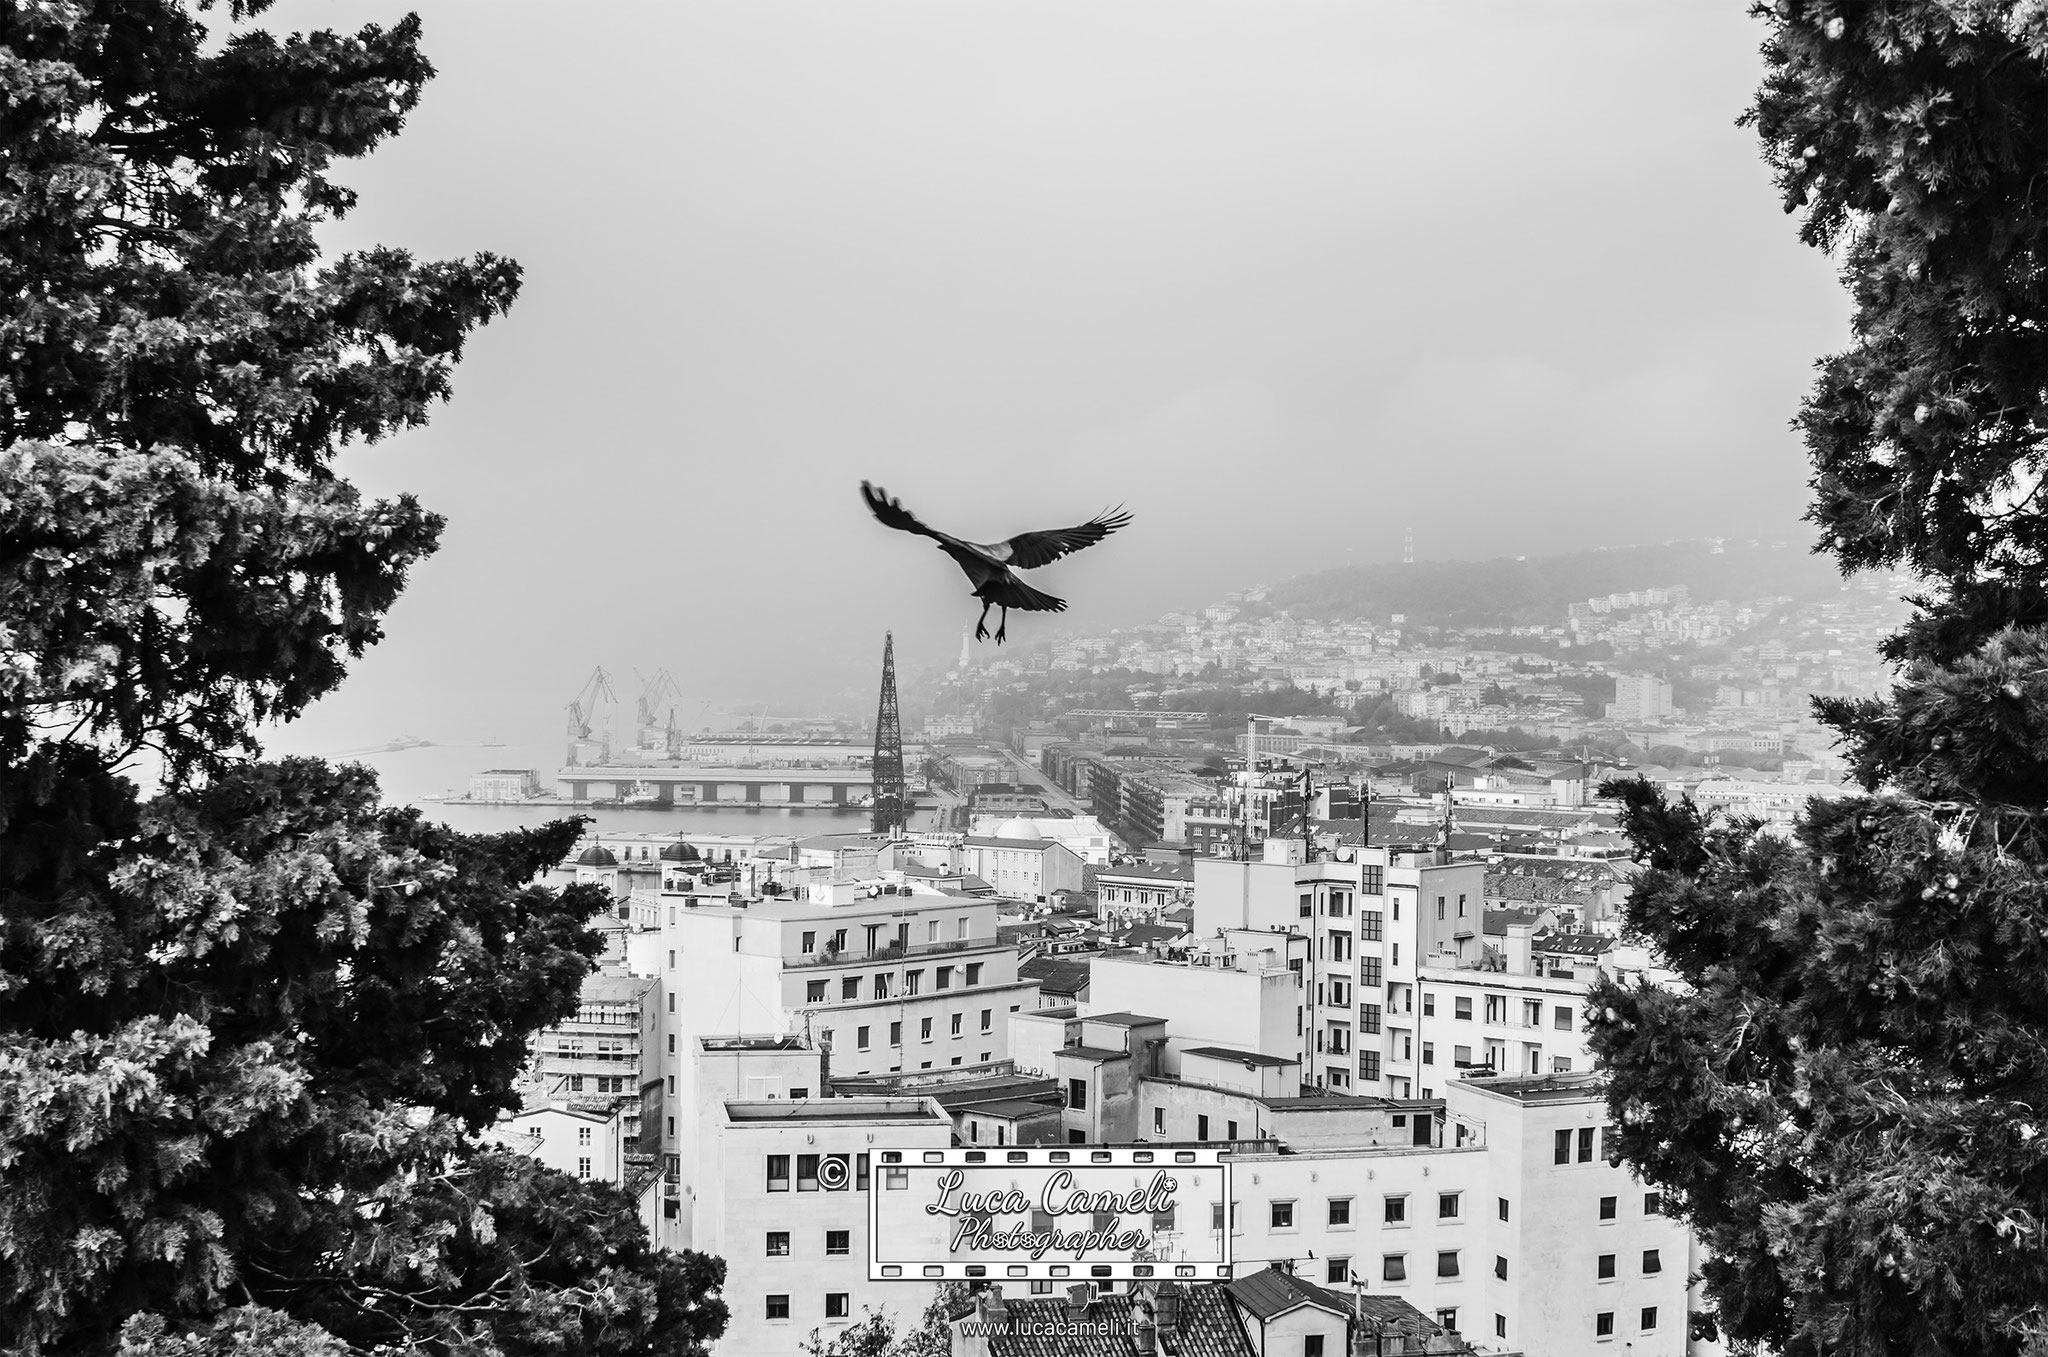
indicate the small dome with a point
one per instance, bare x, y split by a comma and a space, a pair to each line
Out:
679, 852
597, 855
1017, 827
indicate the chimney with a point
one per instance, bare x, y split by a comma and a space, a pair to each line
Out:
992, 1308
1079, 1297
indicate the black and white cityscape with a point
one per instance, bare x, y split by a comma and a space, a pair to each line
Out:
883, 679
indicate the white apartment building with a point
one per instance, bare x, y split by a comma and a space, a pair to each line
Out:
582, 1142
777, 1186
1640, 697
882, 978
1511, 1227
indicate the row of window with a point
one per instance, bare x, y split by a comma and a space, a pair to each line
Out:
838, 1243
818, 1172
1562, 1142
860, 1034
1280, 1213
837, 942
817, 991
838, 1305
1561, 1015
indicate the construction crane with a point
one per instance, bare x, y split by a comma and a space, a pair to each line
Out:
584, 706
656, 692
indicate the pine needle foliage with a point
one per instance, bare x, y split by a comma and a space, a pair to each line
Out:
252, 1021
1846, 1094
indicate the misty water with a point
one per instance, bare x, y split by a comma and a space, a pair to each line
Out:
413, 776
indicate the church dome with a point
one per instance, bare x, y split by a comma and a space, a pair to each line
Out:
679, 852
597, 855
1017, 827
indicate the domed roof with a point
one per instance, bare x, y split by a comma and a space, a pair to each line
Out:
1017, 827
597, 855
679, 852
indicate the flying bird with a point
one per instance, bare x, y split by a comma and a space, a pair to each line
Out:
991, 567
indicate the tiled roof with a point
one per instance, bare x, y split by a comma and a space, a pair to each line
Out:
1573, 944
1056, 975
1270, 1292
1208, 1327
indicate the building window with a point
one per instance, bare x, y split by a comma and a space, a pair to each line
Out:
1369, 971
1338, 1272
778, 1243
988, 1019
1653, 1203
945, 977
814, 992
583, 1168
1429, 1005
1500, 1326
1447, 1317
1429, 1053
1368, 1064
860, 1038
807, 1173
778, 1307
1500, 1267
838, 1242
1503, 1207
1158, 1121
1606, 1266
1201, 1128
1370, 925
1603, 1324
913, 981
838, 1304
1461, 1008
1607, 1208
974, 973
849, 988
956, 1024
810, 943
1649, 1319
1311, 1345
1394, 1267
1585, 1144
778, 1173
1652, 1264
583, 1135
1562, 1147
1369, 1017
1396, 1212
1281, 1216
1563, 1019
895, 1034
1077, 1092
1340, 1210
1162, 1221
924, 1029
1446, 1206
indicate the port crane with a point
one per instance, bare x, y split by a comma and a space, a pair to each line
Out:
662, 688
583, 707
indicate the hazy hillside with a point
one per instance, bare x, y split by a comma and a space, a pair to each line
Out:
1539, 588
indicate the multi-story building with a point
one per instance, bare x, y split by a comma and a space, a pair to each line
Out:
1155, 806
1640, 697
881, 976
1024, 867
776, 1184
603, 1056
1138, 893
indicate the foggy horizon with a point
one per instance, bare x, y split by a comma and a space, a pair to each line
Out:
1017, 263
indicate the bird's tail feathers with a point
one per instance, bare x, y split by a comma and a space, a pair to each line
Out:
1015, 593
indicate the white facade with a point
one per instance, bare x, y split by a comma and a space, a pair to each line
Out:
589, 1145
792, 1233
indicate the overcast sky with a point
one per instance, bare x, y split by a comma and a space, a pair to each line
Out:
1286, 279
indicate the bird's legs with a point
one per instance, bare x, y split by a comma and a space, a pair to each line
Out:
1003, 627
981, 623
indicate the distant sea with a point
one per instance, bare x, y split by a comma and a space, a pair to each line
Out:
413, 776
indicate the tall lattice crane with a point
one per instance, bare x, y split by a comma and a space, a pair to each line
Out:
583, 707
891, 799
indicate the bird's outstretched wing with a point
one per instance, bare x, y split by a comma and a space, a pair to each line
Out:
1029, 550
891, 512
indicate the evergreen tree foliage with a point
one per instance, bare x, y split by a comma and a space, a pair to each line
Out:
251, 1021
1846, 1094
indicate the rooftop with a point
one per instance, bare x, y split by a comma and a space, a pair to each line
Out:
1542, 1088
1124, 1019
1246, 1058
1095, 1053
836, 1111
